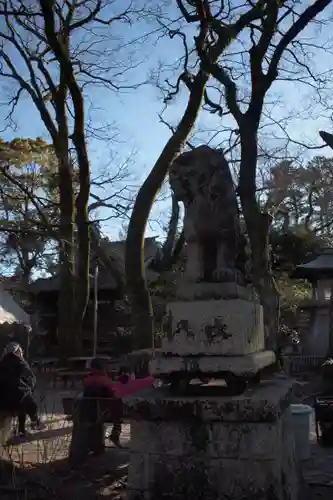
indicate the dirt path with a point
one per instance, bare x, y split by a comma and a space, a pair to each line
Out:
38, 468
41, 464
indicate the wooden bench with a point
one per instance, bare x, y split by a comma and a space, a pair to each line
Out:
89, 416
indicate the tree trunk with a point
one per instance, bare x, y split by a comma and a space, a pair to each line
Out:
264, 283
172, 246
67, 337
68, 82
258, 226
142, 312
83, 232
68, 341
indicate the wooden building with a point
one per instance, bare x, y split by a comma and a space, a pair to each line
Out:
113, 324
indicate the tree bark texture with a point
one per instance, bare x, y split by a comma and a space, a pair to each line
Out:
66, 301
265, 57
61, 50
142, 313
258, 227
83, 231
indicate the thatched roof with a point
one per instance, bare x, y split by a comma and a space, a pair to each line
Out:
10, 311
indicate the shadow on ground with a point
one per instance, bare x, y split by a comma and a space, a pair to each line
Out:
98, 477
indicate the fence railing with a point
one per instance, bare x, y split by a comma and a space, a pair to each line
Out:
298, 363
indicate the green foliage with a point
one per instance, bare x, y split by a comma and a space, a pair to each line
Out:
164, 288
28, 203
301, 195
21, 152
292, 292
290, 249
293, 247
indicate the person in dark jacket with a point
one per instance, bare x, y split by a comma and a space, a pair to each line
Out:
17, 383
99, 385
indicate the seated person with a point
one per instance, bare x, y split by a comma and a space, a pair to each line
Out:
99, 385
17, 383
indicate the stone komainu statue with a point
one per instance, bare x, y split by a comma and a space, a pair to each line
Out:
201, 179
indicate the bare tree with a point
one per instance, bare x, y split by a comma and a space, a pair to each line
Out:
45, 53
195, 81
244, 75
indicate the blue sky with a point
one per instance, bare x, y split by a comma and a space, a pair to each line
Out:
135, 113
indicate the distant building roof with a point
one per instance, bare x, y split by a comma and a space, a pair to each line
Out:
117, 249
111, 263
52, 284
321, 266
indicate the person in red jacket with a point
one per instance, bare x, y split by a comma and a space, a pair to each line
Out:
98, 378
127, 385
99, 385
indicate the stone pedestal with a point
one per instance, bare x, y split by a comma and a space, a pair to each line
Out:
213, 448
213, 337
231, 327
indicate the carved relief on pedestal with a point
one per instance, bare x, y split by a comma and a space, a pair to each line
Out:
218, 327
183, 328
216, 331
213, 332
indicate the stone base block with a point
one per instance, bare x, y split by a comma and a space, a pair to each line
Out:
239, 448
213, 327
245, 366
